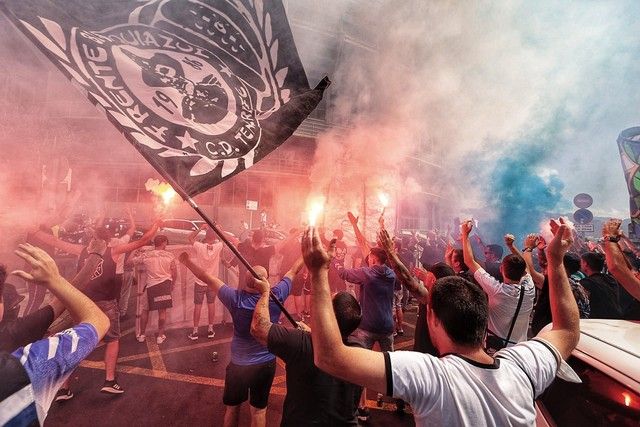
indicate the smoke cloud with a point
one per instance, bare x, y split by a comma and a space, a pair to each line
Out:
511, 108
519, 103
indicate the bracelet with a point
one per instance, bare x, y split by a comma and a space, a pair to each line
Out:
527, 250
95, 253
612, 239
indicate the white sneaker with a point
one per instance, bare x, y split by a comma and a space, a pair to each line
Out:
161, 338
141, 338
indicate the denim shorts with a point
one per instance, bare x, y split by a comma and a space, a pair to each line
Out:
200, 291
367, 339
112, 310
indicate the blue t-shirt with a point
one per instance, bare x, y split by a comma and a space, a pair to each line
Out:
245, 350
48, 363
376, 296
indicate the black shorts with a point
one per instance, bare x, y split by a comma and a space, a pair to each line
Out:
159, 296
250, 381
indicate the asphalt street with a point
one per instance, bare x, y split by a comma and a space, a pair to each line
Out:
178, 383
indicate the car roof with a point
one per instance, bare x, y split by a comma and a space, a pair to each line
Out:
614, 345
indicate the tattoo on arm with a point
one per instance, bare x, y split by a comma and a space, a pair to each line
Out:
261, 322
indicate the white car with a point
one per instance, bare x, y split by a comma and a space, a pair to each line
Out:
607, 359
178, 231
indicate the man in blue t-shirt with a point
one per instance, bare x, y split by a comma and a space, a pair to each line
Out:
250, 373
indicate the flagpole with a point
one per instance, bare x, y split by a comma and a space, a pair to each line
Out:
178, 189
224, 239
237, 253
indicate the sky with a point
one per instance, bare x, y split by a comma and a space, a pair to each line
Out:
522, 100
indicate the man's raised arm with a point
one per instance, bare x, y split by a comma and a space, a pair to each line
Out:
193, 236
295, 268
352, 364
469, 259
261, 321
212, 282
49, 239
45, 272
565, 331
616, 261
362, 241
416, 288
530, 243
132, 246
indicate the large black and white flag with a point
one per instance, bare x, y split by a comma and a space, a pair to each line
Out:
202, 88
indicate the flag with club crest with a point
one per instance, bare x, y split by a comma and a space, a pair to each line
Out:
629, 146
202, 88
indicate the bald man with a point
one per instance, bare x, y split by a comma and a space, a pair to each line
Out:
250, 373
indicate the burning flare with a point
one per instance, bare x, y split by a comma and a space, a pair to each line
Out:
315, 209
384, 199
161, 189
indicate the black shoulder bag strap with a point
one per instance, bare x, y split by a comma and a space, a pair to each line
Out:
515, 316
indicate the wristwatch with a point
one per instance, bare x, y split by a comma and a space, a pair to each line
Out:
614, 239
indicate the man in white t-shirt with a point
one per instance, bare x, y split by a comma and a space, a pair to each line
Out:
466, 386
510, 303
161, 274
207, 256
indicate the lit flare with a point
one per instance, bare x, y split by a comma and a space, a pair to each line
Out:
384, 200
315, 209
161, 189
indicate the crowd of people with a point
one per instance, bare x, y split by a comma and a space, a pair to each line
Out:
482, 348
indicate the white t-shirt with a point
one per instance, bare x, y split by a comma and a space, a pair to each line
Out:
157, 264
117, 241
454, 391
503, 302
208, 257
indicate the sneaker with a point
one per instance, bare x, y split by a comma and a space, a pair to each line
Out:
193, 336
112, 387
363, 414
161, 338
141, 338
63, 394
210, 334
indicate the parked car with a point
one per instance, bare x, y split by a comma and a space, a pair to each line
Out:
178, 231
607, 359
271, 236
